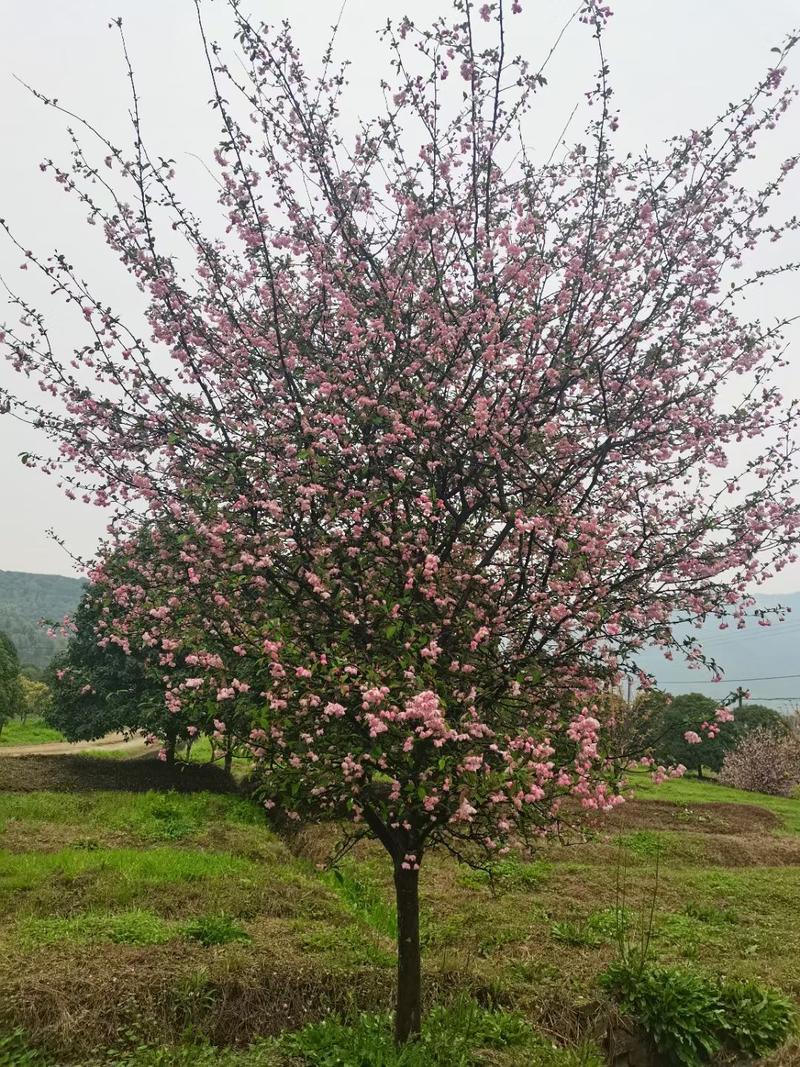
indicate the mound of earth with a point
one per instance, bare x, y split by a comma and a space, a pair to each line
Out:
714, 818
66, 774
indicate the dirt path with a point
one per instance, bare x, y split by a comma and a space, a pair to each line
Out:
113, 742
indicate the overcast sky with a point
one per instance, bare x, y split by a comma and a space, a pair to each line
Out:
675, 66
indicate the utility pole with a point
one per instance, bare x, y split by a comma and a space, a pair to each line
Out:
738, 696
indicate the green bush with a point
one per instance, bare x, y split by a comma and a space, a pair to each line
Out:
689, 1017
679, 1011
757, 1019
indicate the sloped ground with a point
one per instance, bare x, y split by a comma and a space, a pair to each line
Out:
139, 915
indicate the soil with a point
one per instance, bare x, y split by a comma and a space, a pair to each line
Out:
112, 743
66, 774
716, 818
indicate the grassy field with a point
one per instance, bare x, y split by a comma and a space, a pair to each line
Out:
31, 732
170, 926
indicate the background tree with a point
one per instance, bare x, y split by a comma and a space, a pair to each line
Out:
448, 433
10, 689
100, 690
32, 672
35, 698
674, 729
765, 760
98, 687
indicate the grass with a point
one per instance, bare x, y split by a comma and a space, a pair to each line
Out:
364, 898
135, 927
172, 927
130, 752
124, 928
31, 732
200, 752
463, 1034
691, 790
148, 816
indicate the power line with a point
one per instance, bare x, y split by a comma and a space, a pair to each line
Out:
778, 629
726, 681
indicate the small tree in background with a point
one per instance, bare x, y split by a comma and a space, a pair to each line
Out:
35, 698
764, 761
99, 690
32, 672
10, 689
97, 687
448, 433
685, 729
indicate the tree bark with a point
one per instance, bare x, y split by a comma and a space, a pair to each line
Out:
169, 749
228, 761
408, 1013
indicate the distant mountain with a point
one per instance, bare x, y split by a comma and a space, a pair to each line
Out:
27, 598
762, 659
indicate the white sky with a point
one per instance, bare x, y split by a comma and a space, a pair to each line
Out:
674, 66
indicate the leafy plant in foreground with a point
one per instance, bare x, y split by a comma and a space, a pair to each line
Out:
690, 1017
757, 1019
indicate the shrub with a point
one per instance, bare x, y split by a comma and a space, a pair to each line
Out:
690, 1017
758, 1019
764, 761
679, 1011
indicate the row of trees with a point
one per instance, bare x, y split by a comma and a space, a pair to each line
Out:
433, 442
99, 690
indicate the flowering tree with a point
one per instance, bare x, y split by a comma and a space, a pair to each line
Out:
435, 439
766, 760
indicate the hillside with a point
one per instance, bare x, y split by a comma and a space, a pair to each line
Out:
25, 599
178, 926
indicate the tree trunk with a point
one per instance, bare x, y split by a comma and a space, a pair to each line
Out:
169, 749
699, 770
408, 1013
228, 760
